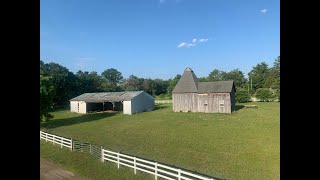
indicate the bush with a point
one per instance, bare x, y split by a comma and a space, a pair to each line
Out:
242, 95
264, 94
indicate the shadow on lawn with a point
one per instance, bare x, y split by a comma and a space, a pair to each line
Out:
75, 120
162, 106
238, 107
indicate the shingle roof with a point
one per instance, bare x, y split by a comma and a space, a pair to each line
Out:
107, 96
187, 83
217, 86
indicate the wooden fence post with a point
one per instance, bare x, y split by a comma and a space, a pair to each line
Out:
90, 149
134, 164
179, 174
46, 137
53, 139
61, 141
102, 155
118, 160
156, 171
71, 144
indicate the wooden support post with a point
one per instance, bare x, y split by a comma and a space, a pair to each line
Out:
113, 106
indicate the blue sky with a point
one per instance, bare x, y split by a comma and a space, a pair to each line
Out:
159, 38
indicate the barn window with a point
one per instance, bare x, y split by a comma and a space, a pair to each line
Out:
205, 104
221, 102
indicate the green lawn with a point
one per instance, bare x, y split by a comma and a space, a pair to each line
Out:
241, 145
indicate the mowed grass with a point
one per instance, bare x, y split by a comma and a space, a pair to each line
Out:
241, 145
83, 164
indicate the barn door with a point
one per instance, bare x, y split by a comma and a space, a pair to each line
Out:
221, 106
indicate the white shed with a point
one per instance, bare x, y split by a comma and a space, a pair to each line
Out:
129, 102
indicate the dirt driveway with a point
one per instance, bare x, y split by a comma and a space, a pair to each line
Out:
51, 171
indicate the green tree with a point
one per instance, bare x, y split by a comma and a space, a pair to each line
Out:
159, 87
113, 76
91, 82
131, 84
147, 85
242, 95
46, 98
258, 75
264, 94
63, 82
203, 79
216, 75
237, 76
172, 83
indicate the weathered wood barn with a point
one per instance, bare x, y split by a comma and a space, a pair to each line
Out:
190, 95
129, 102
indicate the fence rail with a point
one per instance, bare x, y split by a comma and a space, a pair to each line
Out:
155, 168
162, 101
56, 139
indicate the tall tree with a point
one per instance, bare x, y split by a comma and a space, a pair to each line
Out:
237, 76
172, 83
91, 82
258, 75
113, 76
216, 75
63, 82
46, 97
132, 83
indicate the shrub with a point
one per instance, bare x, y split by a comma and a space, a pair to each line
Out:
264, 94
242, 95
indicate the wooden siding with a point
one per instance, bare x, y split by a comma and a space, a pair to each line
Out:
185, 102
208, 102
214, 103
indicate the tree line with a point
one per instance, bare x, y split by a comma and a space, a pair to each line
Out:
58, 85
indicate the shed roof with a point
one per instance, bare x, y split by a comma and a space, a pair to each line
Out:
187, 83
216, 86
100, 97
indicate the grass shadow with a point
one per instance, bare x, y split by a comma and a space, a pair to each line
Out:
238, 107
75, 120
161, 106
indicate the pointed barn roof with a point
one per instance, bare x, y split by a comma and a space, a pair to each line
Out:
188, 83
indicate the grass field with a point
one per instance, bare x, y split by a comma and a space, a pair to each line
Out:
241, 145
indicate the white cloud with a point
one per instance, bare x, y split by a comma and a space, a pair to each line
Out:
185, 45
203, 40
194, 40
263, 11
162, 1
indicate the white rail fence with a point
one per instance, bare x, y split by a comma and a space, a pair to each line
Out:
56, 139
162, 101
155, 168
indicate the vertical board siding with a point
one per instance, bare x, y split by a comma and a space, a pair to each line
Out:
194, 102
185, 102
